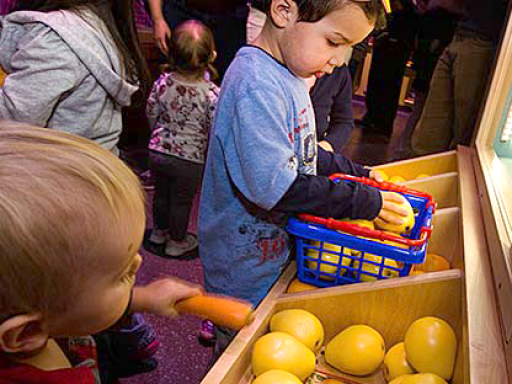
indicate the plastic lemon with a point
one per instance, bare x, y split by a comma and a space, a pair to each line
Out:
357, 350
363, 223
407, 222
279, 350
302, 325
433, 263
399, 379
374, 269
395, 363
277, 376
330, 254
431, 346
424, 378
396, 179
298, 286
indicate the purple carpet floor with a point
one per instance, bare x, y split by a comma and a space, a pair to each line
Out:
182, 360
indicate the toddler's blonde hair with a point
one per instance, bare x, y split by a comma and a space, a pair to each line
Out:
63, 199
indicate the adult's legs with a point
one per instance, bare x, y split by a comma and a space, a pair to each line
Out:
471, 71
390, 55
434, 130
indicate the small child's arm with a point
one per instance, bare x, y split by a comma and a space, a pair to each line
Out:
160, 297
152, 108
320, 196
329, 163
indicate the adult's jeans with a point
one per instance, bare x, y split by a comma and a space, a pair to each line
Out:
456, 92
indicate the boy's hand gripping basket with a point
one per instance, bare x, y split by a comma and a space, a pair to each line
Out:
332, 252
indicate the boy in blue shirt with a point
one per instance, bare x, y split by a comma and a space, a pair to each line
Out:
263, 160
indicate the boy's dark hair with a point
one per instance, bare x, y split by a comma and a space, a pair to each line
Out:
314, 10
191, 49
118, 16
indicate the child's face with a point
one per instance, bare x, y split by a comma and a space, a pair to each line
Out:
107, 292
314, 49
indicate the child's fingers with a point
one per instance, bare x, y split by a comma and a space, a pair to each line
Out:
389, 218
393, 208
377, 176
392, 196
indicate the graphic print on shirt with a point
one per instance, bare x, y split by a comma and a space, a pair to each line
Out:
256, 237
304, 141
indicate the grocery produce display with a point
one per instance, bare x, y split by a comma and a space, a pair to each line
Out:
445, 306
294, 345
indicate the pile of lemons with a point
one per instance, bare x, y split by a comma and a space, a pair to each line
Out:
287, 355
397, 179
371, 264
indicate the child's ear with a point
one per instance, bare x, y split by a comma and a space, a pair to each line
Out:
23, 334
214, 56
283, 12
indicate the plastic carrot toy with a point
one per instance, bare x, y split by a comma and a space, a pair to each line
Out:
223, 311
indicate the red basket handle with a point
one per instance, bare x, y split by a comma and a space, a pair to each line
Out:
386, 186
358, 230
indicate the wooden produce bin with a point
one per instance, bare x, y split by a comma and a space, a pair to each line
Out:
463, 296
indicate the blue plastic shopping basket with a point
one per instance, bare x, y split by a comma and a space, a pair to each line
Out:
332, 252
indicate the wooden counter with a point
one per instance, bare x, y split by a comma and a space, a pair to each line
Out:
463, 296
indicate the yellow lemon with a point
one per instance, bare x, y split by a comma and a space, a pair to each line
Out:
298, 286
357, 350
277, 376
396, 179
424, 378
422, 176
372, 268
431, 346
433, 263
399, 379
407, 222
279, 350
395, 363
330, 254
302, 325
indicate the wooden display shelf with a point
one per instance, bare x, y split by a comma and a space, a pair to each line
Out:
463, 296
443, 187
389, 306
431, 165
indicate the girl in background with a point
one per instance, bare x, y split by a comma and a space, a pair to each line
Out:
71, 65
180, 111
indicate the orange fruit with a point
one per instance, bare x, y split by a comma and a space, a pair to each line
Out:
416, 273
433, 263
298, 286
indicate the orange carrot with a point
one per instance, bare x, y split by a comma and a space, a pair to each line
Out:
223, 311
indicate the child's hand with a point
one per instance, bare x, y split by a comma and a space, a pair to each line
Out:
377, 176
390, 205
326, 145
160, 296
